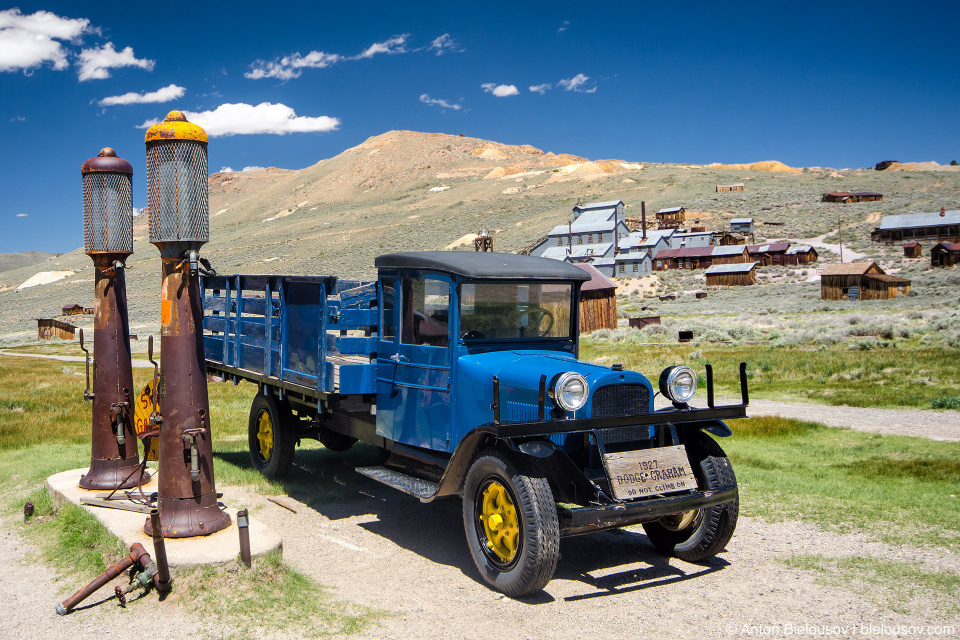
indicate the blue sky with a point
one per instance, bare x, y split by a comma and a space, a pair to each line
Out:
841, 84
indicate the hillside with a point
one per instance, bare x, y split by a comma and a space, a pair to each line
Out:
404, 190
10, 261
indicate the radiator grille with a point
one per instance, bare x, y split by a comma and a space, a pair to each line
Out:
620, 400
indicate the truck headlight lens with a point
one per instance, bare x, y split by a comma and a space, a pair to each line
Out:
678, 383
570, 391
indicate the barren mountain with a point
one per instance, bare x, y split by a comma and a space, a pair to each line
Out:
406, 191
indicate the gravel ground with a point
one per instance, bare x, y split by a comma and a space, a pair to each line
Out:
385, 549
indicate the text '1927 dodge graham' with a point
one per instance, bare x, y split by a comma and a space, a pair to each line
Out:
462, 369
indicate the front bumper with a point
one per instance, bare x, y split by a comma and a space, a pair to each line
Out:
581, 520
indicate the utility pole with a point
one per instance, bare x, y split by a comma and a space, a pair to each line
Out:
840, 235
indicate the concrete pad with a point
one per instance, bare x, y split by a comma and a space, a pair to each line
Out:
220, 547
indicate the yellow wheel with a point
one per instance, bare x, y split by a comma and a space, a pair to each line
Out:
499, 518
265, 435
510, 520
271, 435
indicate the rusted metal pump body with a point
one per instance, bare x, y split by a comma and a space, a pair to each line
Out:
178, 200
108, 240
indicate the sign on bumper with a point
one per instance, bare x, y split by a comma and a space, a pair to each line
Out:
648, 472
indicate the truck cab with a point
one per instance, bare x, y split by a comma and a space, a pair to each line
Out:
463, 369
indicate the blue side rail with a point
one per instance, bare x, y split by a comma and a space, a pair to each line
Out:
316, 332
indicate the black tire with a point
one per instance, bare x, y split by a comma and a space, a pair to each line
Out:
712, 527
535, 545
275, 460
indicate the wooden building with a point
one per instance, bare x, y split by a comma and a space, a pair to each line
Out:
728, 238
847, 196
799, 254
48, 328
859, 281
945, 254
598, 301
768, 254
672, 218
699, 257
730, 187
918, 227
75, 310
912, 250
730, 275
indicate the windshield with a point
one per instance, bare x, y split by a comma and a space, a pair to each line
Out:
500, 310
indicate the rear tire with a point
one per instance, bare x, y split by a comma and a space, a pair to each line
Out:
510, 519
271, 436
712, 527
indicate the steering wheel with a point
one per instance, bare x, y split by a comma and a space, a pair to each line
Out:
539, 321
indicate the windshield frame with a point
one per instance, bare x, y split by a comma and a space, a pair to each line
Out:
572, 311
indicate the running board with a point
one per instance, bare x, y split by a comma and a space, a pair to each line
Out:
422, 489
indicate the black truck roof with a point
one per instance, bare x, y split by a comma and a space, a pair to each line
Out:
480, 265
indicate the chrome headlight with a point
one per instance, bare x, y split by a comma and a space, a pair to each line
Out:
570, 391
678, 383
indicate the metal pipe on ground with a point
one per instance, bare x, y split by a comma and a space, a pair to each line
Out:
137, 554
160, 551
243, 526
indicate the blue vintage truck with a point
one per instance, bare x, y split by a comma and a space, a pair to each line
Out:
461, 367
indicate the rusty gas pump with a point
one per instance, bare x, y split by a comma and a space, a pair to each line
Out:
108, 240
178, 200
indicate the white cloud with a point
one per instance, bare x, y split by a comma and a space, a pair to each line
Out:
437, 102
253, 168
28, 41
393, 46
166, 94
244, 119
137, 211
22, 215
444, 43
563, 27
500, 90
291, 66
540, 88
576, 84
226, 170
95, 64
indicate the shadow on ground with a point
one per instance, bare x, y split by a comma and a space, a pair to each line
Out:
607, 563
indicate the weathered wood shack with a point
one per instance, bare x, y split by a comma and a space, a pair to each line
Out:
945, 254
48, 328
75, 309
730, 187
859, 281
912, 250
847, 196
800, 254
598, 301
729, 238
729, 275
919, 227
671, 218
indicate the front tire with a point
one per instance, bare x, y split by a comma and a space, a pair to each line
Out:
699, 535
510, 519
270, 436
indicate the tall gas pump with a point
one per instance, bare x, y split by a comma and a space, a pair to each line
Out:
108, 240
178, 200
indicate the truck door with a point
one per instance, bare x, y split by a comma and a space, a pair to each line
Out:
414, 362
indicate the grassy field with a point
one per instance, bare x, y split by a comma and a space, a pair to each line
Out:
898, 490
884, 373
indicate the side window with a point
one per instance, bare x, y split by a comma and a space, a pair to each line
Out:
425, 305
387, 329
